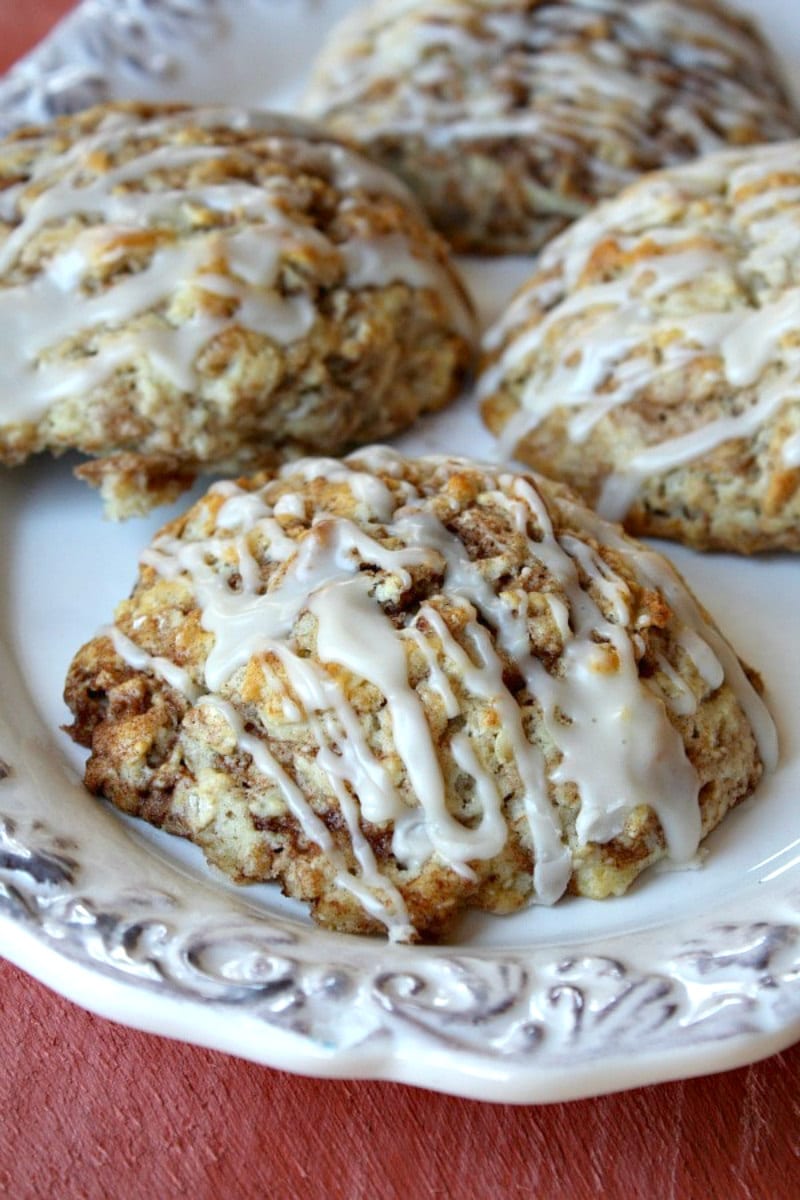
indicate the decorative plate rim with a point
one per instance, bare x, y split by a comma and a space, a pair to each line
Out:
181, 958
526, 1024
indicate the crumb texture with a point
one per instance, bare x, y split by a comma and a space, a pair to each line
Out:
408, 688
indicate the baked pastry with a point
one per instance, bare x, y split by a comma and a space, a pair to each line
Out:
185, 290
404, 688
653, 360
509, 118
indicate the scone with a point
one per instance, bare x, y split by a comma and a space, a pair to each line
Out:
509, 118
194, 289
653, 360
406, 688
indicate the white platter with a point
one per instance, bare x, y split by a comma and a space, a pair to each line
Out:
689, 973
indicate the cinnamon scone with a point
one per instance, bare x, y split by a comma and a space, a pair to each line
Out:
509, 118
405, 688
653, 360
194, 289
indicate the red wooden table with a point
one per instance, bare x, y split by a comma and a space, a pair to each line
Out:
93, 1111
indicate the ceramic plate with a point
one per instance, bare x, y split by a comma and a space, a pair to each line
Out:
691, 972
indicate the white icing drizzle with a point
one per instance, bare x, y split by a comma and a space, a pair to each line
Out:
319, 694
588, 346
711, 654
367, 260
355, 763
134, 312
140, 660
290, 505
598, 76
354, 632
391, 909
618, 747
484, 679
611, 735
437, 677
791, 451
682, 699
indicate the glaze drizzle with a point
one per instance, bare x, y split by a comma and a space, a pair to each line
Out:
583, 340
142, 313
612, 732
624, 85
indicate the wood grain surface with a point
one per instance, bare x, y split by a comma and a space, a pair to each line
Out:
93, 1111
